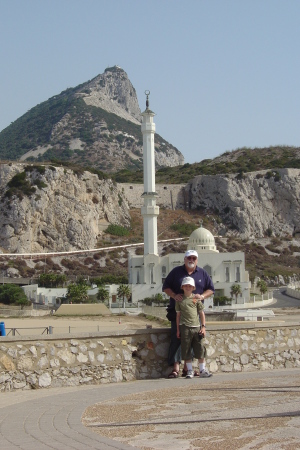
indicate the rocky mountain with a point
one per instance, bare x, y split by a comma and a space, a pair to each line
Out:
47, 208
96, 124
255, 204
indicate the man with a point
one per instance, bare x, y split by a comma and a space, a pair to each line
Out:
204, 288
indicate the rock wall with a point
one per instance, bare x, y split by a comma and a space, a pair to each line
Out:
170, 196
251, 203
94, 358
67, 211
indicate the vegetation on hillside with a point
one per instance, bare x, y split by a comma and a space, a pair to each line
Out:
34, 128
238, 161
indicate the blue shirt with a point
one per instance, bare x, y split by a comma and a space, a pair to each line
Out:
173, 281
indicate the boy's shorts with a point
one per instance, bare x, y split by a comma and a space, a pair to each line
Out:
189, 341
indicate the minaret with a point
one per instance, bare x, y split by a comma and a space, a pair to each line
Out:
149, 211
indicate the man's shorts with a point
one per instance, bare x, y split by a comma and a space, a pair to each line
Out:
190, 340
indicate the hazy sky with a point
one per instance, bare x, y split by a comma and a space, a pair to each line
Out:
223, 74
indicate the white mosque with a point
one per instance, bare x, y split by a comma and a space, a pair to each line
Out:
147, 272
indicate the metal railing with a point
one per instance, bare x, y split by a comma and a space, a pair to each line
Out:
14, 331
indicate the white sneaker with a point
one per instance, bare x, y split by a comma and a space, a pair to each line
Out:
190, 374
205, 374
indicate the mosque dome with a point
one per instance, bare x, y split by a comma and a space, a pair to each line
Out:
201, 240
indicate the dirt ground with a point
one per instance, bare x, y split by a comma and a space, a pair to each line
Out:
36, 325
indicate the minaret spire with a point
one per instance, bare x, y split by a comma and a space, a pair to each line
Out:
150, 210
147, 99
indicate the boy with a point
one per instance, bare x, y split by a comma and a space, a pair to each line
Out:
188, 312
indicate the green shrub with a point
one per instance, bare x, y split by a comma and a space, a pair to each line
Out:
184, 229
117, 230
222, 300
110, 279
40, 184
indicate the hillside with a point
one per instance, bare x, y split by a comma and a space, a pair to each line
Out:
238, 161
96, 124
273, 259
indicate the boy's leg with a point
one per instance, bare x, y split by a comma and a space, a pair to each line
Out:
200, 353
186, 336
174, 355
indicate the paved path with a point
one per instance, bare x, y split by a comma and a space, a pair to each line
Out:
228, 411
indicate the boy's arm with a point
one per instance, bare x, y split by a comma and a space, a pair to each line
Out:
202, 320
177, 323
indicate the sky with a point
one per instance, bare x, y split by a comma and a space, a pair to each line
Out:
222, 74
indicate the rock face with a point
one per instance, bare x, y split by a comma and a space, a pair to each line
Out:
113, 92
55, 209
253, 204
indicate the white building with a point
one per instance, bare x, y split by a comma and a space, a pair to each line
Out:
42, 295
147, 272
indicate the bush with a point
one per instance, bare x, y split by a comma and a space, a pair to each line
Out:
221, 301
110, 279
117, 230
184, 229
19, 186
10, 294
158, 298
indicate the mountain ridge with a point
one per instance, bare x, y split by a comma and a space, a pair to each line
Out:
96, 123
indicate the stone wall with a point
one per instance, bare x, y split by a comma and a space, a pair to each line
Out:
94, 358
293, 292
170, 196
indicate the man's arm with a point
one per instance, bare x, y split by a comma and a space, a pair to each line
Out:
177, 323
171, 293
206, 294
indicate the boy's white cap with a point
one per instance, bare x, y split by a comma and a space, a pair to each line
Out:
188, 280
191, 253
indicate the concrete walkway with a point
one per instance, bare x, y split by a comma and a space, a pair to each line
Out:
228, 411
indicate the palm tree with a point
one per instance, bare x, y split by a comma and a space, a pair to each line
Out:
263, 288
77, 293
235, 291
123, 292
102, 294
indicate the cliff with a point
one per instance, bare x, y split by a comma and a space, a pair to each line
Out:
47, 208
250, 205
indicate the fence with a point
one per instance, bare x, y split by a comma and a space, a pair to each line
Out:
16, 331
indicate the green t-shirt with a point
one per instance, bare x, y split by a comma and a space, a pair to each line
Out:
189, 311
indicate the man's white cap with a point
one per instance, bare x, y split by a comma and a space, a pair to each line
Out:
188, 280
191, 253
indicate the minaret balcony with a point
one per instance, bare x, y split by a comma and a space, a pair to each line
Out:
150, 210
147, 126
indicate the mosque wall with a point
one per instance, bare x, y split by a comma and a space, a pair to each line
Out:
96, 358
218, 265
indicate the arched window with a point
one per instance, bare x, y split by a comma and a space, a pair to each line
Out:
208, 270
227, 274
